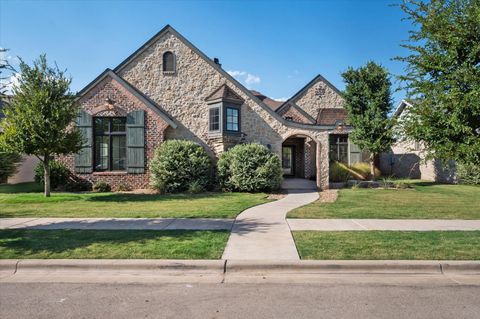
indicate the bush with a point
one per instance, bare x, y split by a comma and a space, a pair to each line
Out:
77, 184
468, 174
339, 173
59, 174
177, 164
9, 163
123, 187
101, 187
363, 169
249, 167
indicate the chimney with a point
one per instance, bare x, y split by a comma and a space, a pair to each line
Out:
217, 62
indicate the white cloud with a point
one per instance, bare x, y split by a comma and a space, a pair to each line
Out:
247, 78
280, 99
8, 84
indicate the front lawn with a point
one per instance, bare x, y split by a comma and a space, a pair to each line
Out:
424, 200
382, 245
206, 205
112, 244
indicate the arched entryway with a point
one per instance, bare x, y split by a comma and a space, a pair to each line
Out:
299, 156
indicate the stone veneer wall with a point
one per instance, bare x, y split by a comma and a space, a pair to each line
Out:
318, 96
183, 95
94, 103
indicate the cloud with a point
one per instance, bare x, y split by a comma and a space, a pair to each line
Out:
247, 78
8, 84
280, 99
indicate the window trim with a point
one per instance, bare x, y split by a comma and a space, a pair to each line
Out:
232, 107
110, 134
210, 109
174, 63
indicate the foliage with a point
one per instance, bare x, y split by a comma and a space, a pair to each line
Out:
39, 117
101, 187
195, 188
443, 75
123, 187
368, 102
249, 167
5, 66
177, 164
468, 173
59, 174
363, 169
339, 172
78, 184
9, 163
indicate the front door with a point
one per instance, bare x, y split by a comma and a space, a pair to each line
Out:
287, 160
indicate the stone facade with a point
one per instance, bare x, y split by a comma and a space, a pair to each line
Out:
122, 102
319, 95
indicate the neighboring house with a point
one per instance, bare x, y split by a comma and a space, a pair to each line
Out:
169, 89
26, 170
405, 159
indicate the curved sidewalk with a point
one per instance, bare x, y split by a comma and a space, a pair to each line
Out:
262, 232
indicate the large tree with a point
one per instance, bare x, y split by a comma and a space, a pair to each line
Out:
39, 118
443, 75
368, 102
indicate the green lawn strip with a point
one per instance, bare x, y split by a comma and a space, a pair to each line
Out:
382, 245
206, 205
30, 187
112, 244
424, 200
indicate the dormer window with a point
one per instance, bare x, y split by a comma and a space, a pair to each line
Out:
224, 112
169, 63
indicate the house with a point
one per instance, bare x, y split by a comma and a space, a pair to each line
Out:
405, 159
169, 89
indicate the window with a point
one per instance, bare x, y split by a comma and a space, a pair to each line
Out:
232, 123
339, 148
110, 143
168, 62
214, 119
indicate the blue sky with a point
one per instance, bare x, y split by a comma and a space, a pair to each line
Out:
275, 47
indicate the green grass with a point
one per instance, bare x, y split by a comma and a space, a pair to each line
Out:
30, 187
112, 244
424, 200
207, 205
381, 245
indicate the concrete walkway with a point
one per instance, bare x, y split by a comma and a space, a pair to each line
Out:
117, 223
383, 224
262, 233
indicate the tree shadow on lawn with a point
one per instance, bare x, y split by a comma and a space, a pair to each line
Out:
25, 243
126, 197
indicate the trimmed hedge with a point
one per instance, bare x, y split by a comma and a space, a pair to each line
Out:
249, 168
180, 166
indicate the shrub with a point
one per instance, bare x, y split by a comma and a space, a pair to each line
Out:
402, 185
101, 187
195, 187
77, 184
363, 169
339, 173
123, 187
177, 164
249, 167
8, 165
59, 174
468, 174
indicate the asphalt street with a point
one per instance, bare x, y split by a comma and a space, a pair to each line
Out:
422, 298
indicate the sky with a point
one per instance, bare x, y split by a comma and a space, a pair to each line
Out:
275, 47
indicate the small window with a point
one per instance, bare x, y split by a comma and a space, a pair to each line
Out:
289, 118
232, 124
214, 119
168, 62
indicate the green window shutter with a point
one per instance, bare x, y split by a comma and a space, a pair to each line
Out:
83, 159
355, 153
136, 142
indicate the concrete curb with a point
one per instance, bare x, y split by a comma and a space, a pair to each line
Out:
236, 267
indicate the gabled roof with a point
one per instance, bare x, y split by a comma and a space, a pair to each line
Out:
224, 93
297, 95
402, 105
330, 116
130, 88
271, 103
300, 110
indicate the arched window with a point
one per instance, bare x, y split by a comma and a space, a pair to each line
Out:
168, 62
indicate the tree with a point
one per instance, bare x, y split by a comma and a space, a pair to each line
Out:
39, 118
5, 66
368, 102
443, 76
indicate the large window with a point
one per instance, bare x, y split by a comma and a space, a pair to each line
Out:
232, 124
339, 148
110, 143
214, 119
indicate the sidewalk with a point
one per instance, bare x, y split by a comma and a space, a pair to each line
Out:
117, 223
383, 224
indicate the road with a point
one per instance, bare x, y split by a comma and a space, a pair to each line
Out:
417, 298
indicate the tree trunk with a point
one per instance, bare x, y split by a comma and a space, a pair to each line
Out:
46, 175
372, 167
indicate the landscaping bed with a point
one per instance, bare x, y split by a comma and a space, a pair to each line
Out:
112, 244
389, 245
425, 200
